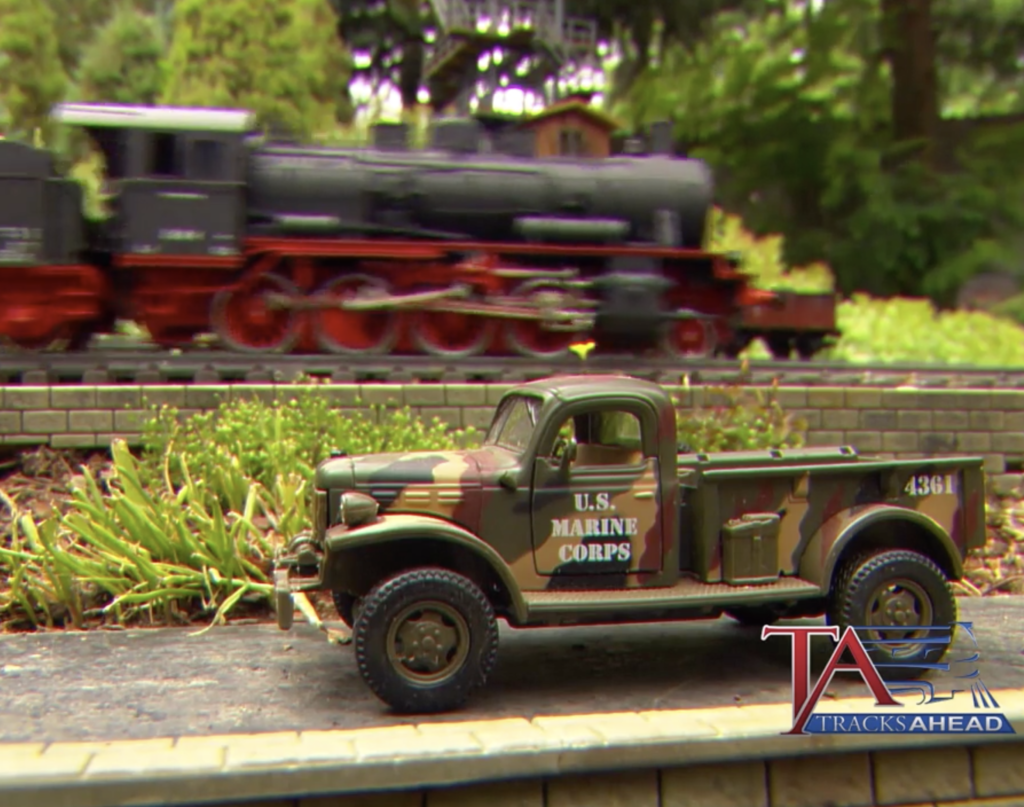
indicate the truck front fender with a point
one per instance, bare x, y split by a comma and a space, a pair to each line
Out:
341, 541
835, 536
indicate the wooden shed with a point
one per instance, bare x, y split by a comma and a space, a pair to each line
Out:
572, 128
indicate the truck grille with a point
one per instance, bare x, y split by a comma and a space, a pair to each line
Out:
319, 514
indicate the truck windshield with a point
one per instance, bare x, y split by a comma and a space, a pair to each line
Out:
514, 423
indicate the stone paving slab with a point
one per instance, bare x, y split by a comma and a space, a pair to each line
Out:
291, 764
140, 684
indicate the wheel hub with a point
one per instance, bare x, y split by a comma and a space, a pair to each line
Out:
901, 604
428, 642
899, 610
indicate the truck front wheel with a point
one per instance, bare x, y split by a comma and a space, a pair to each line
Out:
426, 640
347, 605
895, 595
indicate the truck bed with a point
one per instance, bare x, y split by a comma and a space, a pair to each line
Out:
773, 456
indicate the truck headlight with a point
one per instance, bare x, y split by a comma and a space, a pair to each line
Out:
356, 508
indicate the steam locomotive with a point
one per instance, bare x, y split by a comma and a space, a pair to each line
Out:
469, 247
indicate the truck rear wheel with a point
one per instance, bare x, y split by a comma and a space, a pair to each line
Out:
894, 594
426, 640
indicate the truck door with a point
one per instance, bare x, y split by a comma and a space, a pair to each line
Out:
600, 512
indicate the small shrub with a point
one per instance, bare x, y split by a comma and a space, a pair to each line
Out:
906, 330
268, 442
740, 420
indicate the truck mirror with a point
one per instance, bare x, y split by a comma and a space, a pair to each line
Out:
509, 480
568, 457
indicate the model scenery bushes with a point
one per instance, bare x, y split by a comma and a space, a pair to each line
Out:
876, 330
185, 532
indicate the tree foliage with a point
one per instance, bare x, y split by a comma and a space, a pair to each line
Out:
75, 23
123, 64
279, 58
79, 21
795, 108
32, 77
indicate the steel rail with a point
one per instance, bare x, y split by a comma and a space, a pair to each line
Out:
143, 365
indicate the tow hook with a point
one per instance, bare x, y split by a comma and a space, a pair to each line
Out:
284, 601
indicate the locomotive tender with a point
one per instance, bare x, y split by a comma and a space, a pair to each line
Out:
458, 250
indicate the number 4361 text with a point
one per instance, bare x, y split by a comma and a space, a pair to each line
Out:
930, 485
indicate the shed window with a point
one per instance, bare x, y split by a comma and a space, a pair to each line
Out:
571, 143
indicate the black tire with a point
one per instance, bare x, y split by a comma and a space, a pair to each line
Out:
347, 605
452, 605
754, 616
856, 586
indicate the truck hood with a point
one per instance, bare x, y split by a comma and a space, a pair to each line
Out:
384, 476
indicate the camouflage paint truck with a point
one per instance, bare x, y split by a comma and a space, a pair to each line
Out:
579, 508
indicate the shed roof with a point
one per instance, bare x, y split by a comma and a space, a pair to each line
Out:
580, 106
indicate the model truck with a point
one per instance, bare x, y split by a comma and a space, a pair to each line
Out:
580, 508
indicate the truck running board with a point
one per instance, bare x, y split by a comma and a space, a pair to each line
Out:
687, 594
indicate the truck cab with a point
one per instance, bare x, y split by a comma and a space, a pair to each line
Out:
579, 508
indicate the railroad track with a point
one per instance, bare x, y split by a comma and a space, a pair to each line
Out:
142, 365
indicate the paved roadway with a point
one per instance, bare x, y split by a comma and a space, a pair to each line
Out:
148, 683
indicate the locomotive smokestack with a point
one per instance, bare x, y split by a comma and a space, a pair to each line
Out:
633, 146
661, 139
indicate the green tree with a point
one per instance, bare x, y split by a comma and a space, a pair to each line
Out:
124, 62
79, 21
32, 78
75, 24
809, 115
281, 59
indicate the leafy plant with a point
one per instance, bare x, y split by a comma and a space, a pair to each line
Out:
740, 419
133, 552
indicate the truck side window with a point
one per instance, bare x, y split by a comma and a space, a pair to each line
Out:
608, 438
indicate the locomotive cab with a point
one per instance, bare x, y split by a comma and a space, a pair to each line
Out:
176, 176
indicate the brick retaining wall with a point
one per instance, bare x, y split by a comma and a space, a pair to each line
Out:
896, 422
